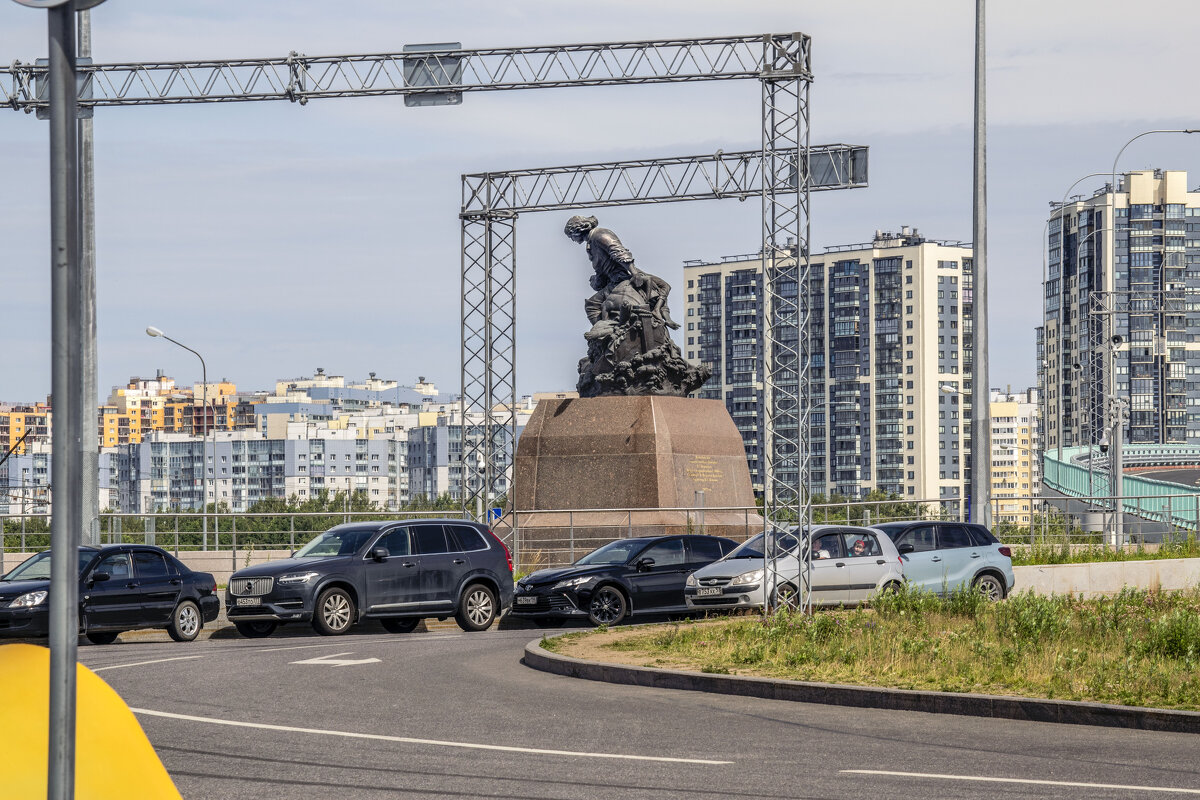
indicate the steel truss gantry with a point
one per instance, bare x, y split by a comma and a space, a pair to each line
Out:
491, 203
300, 78
782, 64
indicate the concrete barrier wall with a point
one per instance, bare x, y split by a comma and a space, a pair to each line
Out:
1109, 577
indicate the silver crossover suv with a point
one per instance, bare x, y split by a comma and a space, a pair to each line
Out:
849, 564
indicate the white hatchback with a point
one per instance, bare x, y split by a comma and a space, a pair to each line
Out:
849, 565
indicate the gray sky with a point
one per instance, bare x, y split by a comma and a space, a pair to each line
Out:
276, 238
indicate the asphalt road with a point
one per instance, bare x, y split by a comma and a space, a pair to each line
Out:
1183, 477
448, 714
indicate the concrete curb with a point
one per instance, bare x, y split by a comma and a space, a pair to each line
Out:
1067, 712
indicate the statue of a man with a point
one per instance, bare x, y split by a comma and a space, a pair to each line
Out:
613, 265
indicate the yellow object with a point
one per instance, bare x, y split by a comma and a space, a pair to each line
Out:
113, 758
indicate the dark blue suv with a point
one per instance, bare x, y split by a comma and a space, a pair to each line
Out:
398, 572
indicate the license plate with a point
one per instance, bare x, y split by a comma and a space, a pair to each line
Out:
527, 600
705, 591
249, 601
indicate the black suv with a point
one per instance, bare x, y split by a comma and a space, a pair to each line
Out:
398, 572
643, 575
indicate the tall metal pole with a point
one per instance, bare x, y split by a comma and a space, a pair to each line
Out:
66, 390
152, 331
90, 484
981, 434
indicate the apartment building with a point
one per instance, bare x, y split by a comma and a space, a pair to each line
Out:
890, 326
1016, 448
1119, 312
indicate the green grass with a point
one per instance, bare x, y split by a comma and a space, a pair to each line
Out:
1137, 648
1074, 554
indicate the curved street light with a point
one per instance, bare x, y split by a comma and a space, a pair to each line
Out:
155, 332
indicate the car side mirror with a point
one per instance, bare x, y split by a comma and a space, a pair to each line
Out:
645, 564
379, 553
97, 577
907, 547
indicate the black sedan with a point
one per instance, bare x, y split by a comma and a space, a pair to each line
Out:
121, 588
629, 576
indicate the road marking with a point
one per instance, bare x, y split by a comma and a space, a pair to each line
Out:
143, 663
984, 779
411, 740
428, 638
332, 660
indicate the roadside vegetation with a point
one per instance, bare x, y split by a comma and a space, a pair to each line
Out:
1138, 648
1065, 553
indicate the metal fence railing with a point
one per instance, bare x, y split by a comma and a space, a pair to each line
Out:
553, 538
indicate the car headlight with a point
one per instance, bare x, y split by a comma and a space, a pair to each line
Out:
571, 583
298, 577
29, 600
753, 576
691, 579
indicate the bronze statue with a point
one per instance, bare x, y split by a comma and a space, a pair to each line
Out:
630, 351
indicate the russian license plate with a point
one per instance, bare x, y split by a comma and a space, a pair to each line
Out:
705, 591
249, 601
527, 600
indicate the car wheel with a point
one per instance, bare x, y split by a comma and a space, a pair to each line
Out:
185, 622
787, 597
335, 612
990, 587
476, 609
260, 629
401, 624
608, 606
549, 622
105, 637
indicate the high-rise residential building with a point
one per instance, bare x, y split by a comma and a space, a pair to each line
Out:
22, 424
1118, 312
890, 326
1016, 465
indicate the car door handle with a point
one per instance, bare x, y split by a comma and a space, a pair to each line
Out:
407, 564
974, 555
880, 561
176, 582
936, 558
839, 564
458, 561
132, 585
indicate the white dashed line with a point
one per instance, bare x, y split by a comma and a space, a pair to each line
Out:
143, 663
984, 779
411, 740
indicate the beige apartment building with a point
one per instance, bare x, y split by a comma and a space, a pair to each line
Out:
891, 324
1016, 465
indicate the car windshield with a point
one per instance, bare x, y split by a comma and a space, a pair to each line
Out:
38, 567
753, 547
617, 552
336, 542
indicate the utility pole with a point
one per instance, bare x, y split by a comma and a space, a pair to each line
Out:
981, 433
90, 483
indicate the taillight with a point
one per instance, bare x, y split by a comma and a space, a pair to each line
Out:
1004, 551
507, 555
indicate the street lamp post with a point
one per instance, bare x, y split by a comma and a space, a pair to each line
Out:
152, 331
981, 468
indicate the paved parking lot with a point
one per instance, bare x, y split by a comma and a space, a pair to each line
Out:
450, 714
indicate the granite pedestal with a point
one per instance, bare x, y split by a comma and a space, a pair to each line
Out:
599, 468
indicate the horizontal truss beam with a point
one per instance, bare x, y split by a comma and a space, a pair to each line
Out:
300, 78
658, 180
